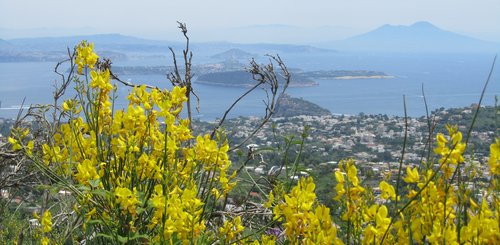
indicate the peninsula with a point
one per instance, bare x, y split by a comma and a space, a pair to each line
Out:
243, 78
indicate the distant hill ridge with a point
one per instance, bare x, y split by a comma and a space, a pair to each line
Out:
419, 37
233, 54
43, 48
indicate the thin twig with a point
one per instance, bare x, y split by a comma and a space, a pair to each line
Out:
262, 74
402, 154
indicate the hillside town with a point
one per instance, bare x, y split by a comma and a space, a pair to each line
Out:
375, 141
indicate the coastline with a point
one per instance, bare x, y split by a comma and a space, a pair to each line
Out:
246, 85
364, 77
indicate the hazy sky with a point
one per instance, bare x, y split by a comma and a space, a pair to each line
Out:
205, 18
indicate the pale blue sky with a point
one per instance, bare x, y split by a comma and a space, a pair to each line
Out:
215, 20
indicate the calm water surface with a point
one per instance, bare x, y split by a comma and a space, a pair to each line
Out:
449, 81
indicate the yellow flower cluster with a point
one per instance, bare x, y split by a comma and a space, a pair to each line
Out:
18, 135
140, 176
127, 199
349, 190
365, 221
432, 212
483, 226
177, 214
378, 222
451, 151
85, 56
387, 190
46, 221
230, 229
494, 161
412, 175
149, 175
46, 225
306, 221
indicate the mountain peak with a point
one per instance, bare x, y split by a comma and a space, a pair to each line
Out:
421, 36
233, 54
420, 25
423, 24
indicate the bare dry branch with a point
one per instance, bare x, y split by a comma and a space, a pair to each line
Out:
267, 78
175, 76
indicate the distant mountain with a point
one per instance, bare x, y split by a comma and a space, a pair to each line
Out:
233, 54
419, 37
113, 42
121, 43
4, 43
256, 49
35, 49
287, 48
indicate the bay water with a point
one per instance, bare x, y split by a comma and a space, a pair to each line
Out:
449, 80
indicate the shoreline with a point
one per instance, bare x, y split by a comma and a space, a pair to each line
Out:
293, 85
364, 77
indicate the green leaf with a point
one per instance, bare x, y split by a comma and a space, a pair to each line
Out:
139, 236
105, 236
83, 188
140, 210
94, 183
123, 239
100, 192
95, 221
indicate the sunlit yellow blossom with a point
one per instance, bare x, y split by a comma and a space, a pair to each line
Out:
378, 223
47, 221
71, 106
85, 56
100, 80
304, 222
451, 152
439, 235
230, 229
482, 228
352, 174
412, 175
494, 160
387, 190
268, 240
178, 95
45, 241
369, 213
339, 177
381, 218
270, 202
127, 199
86, 171
15, 144
300, 200
29, 148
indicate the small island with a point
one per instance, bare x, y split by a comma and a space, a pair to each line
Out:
243, 78
233, 74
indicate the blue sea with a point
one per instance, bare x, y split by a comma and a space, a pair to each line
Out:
449, 80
